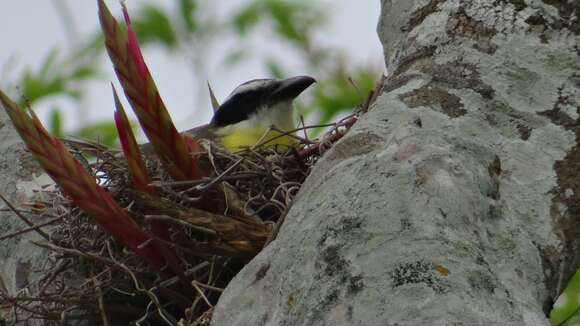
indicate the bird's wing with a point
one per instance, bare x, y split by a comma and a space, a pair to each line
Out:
201, 132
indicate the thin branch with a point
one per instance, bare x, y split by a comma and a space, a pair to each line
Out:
32, 228
25, 219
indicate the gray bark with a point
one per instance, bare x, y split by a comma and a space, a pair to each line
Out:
454, 201
20, 176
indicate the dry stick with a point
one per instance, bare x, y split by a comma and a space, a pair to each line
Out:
306, 141
211, 271
173, 280
123, 292
374, 94
34, 314
284, 205
367, 103
48, 299
31, 211
87, 146
303, 127
32, 228
259, 196
25, 219
208, 287
101, 304
282, 133
138, 322
254, 164
353, 84
48, 281
112, 263
200, 291
95, 277
194, 304
196, 301
276, 229
76, 252
186, 249
335, 136
138, 287
219, 177
245, 175
167, 218
290, 193
261, 139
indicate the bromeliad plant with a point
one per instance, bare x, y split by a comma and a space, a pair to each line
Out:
80, 186
174, 151
193, 213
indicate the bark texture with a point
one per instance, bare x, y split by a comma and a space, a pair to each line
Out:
20, 176
455, 200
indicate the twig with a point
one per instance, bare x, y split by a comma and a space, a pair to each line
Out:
241, 176
335, 136
138, 287
200, 291
303, 126
32, 228
101, 303
167, 218
25, 219
189, 272
208, 287
353, 84
220, 177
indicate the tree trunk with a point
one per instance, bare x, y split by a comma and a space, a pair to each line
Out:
455, 200
20, 177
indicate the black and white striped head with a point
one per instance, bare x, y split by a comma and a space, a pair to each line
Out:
254, 95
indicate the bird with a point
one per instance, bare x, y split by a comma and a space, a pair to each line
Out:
257, 112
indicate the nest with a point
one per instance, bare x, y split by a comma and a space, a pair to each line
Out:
217, 224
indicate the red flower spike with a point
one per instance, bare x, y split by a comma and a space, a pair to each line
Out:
79, 185
141, 180
140, 89
133, 44
131, 149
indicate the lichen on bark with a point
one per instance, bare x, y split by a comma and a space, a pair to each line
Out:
464, 200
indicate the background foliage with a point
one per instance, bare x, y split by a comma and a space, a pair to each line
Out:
191, 31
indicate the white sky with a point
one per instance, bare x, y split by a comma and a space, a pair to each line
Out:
30, 28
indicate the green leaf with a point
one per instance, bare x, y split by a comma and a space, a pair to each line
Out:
187, 11
55, 124
275, 69
154, 25
104, 132
283, 13
84, 73
247, 18
236, 56
89, 50
566, 310
336, 95
59, 76
49, 62
294, 20
35, 87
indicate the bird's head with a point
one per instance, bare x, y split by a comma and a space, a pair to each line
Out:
247, 114
255, 95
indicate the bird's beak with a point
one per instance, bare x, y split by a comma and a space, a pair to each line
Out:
292, 87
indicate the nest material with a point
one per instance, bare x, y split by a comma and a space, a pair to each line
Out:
217, 224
